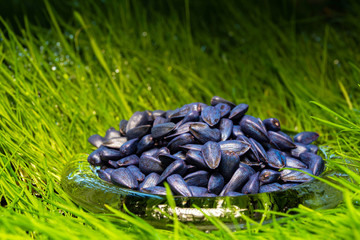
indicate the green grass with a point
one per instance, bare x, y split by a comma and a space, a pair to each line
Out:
85, 67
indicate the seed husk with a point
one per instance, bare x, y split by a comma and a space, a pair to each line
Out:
204, 151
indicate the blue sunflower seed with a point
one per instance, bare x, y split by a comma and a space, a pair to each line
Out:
253, 153
129, 147
259, 149
158, 113
115, 143
145, 143
129, 160
212, 154
238, 111
269, 176
138, 132
162, 129
135, 171
216, 183
295, 176
312, 148
229, 164
109, 154
152, 152
96, 140
299, 149
272, 124
253, 184
195, 158
306, 137
224, 109
294, 163
240, 177
192, 116
162, 151
178, 185
216, 100
250, 126
94, 158
160, 120
177, 167
196, 147
148, 164
123, 177
150, 180
253, 164
314, 162
238, 146
225, 127
112, 133
210, 115
183, 128
250, 169
137, 119
204, 133
276, 159
199, 178
180, 155
198, 191
175, 144
150, 116
104, 175
168, 113
181, 112
122, 127
236, 131
281, 141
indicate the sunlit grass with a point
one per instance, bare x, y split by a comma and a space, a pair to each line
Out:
82, 75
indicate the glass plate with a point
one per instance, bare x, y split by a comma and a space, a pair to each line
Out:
89, 191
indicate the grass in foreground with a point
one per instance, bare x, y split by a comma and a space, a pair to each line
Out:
86, 72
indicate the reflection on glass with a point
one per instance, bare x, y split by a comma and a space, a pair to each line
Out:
86, 189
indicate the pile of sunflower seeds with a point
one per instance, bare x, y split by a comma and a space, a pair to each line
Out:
204, 151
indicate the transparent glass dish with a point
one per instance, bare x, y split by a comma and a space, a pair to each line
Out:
81, 183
